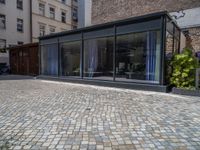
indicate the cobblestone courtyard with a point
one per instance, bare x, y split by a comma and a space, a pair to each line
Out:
36, 114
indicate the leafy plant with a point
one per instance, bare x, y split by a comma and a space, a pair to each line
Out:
183, 69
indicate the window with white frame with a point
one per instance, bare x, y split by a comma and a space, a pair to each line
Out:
42, 9
20, 4
20, 25
2, 21
63, 17
52, 12
52, 29
42, 29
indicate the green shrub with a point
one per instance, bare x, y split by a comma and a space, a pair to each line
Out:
183, 69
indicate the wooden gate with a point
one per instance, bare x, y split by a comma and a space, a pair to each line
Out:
24, 59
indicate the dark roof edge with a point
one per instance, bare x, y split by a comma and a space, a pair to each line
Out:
23, 46
108, 24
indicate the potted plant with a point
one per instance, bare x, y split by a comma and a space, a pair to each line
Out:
183, 73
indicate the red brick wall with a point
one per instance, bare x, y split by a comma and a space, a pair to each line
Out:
193, 40
110, 10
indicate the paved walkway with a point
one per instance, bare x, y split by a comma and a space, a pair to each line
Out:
36, 114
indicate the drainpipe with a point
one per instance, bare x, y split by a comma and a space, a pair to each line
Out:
31, 26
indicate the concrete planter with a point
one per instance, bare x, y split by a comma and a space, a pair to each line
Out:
186, 92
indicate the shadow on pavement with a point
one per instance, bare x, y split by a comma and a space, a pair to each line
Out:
15, 77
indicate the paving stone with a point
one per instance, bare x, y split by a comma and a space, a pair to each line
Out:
37, 114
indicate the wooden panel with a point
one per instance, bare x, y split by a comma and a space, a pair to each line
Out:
14, 66
24, 60
33, 61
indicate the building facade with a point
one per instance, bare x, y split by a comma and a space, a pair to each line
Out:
51, 16
84, 13
23, 21
14, 25
186, 13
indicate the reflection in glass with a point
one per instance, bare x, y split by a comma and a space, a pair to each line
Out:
98, 58
70, 58
138, 56
169, 49
169, 45
49, 59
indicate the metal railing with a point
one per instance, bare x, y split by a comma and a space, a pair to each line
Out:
197, 83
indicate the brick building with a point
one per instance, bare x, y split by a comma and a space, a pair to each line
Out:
187, 13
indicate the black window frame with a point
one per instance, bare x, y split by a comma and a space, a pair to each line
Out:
2, 1
20, 4
63, 1
63, 17
3, 50
3, 21
20, 25
20, 42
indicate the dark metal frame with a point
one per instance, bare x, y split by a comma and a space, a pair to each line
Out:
197, 78
163, 47
160, 15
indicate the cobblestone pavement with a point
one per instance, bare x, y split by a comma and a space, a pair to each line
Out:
37, 114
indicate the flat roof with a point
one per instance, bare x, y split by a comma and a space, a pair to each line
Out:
110, 24
23, 46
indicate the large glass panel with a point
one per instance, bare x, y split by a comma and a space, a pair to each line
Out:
49, 59
98, 58
70, 58
138, 57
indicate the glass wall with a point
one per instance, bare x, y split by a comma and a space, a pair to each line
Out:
124, 52
98, 58
49, 59
138, 56
70, 58
172, 45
